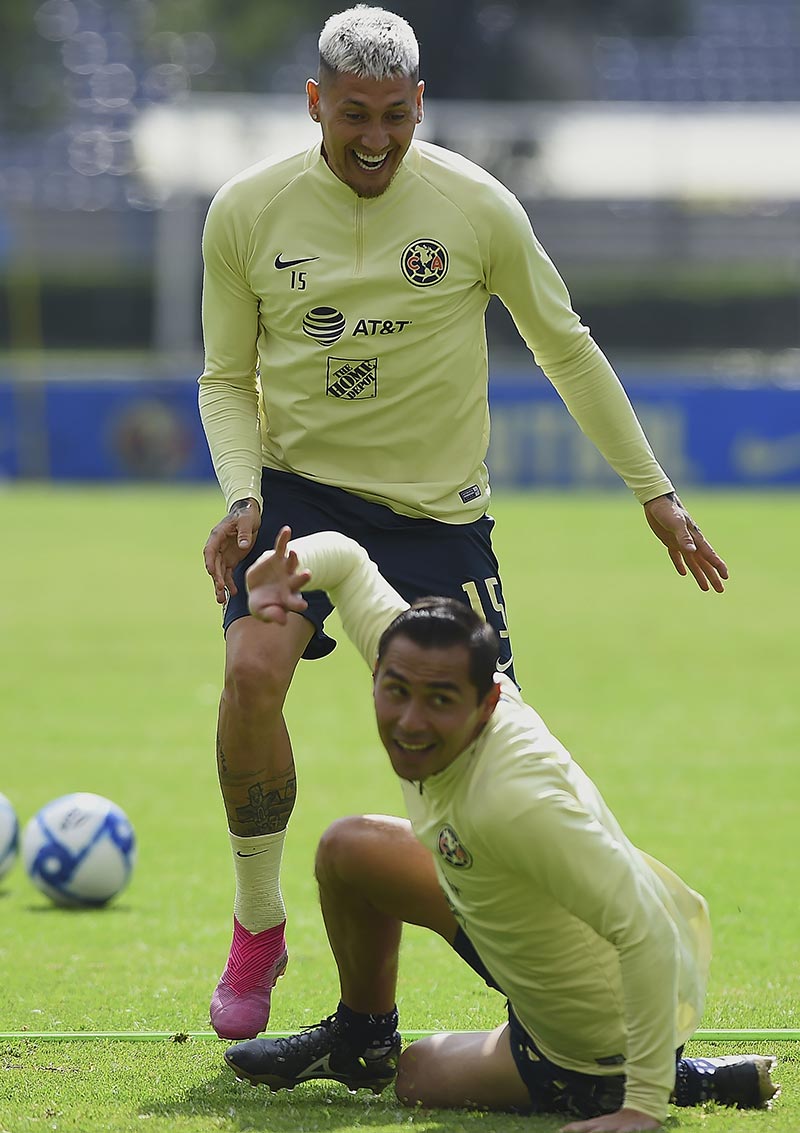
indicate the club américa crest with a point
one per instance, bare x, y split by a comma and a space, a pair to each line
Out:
451, 849
424, 262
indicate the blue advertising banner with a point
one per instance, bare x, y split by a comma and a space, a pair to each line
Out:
95, 430
9, 433
706, 435
129, 430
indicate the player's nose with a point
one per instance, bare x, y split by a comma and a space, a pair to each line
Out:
375, 138
412, 721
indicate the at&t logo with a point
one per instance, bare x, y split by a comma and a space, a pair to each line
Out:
324, 324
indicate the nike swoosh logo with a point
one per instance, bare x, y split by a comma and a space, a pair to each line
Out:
279, 263
254, 854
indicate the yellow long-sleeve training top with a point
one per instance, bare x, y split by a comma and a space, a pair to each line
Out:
602, 951
345, 336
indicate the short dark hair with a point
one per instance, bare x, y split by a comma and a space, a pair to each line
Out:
439, 623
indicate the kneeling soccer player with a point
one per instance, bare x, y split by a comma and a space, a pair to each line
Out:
513, 857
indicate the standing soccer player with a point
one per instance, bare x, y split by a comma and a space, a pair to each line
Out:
345, 386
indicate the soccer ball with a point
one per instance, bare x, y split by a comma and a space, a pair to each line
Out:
79, 850
9, 835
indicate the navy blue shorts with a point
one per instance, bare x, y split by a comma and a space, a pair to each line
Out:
552, 1088
418, 557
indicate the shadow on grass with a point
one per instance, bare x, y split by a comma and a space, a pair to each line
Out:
319, 1106
108, 910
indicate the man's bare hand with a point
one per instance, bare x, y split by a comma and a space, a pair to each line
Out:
274, 582
688, 548
623, 1121
229, 542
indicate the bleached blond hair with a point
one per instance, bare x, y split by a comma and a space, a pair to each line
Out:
371, 43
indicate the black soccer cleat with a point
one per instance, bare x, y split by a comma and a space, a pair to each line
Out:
743, 1080
324, 1051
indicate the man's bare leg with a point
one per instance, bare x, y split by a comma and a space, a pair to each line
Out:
374, 876
257, 780
451, 1071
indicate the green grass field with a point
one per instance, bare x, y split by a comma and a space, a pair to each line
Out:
684, 707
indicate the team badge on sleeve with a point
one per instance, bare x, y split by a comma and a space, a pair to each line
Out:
425, 262
451, 849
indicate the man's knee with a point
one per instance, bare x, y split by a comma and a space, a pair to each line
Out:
364, 846
261, 662
340, 848
251, 680
414, 1084
256, 678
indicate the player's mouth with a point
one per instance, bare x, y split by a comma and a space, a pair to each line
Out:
370, 162
414, 749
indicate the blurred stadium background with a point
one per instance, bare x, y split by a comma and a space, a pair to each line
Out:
654, 146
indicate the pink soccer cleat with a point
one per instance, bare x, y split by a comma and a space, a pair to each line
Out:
241, 1000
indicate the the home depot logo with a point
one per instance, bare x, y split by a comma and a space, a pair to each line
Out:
352, 379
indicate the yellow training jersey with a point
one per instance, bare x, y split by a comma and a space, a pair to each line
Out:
345, 337
602, 951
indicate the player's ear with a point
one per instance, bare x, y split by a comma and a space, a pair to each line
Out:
312, 92
420, 107
490, 701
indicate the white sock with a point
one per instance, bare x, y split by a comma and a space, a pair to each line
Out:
257, 864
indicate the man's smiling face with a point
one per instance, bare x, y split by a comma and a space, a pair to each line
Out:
426, 706
367, 126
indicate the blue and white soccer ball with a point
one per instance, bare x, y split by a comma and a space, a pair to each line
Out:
79, 850
9, 835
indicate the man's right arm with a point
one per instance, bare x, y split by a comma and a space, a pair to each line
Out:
228, 543
228, 396
366, 603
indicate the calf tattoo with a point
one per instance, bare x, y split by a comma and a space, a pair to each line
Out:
268, 809
270, 798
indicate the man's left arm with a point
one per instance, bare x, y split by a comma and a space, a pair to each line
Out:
522, 275
688, 548
573, 857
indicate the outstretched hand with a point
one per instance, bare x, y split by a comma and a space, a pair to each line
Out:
688, 548
274, 582
623, 1121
